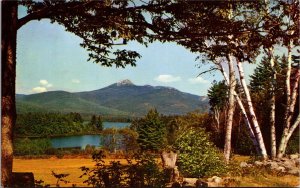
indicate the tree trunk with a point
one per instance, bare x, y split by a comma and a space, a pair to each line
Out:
257, 131
216, 112
8, 66
292, 129
169, 163
292, 109
272, 104
246, 119
288, 113
227, 147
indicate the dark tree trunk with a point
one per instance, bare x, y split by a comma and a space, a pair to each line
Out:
8, 71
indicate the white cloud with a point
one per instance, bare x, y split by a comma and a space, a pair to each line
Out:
49, 85
167, 78
75, 81
39, 89
43, 82
198, 80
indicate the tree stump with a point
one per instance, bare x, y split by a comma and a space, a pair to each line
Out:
169, 163
23, 179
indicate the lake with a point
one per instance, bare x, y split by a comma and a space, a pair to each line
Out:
83, 140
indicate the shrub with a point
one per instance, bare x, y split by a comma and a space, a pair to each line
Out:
28, 146
198, 157
142, 173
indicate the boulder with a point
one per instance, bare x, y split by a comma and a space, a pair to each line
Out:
243, 165
176, 185
217, 179
213, 184
294, 156
284, 159
288, 164
201, 183
280, 169
190, 181
294, 171
258, 163
297, 162
272, 165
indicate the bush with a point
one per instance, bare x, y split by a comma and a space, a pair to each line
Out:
27, 146
198, 157
142, 173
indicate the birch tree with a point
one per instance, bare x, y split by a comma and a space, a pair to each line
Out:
281, 25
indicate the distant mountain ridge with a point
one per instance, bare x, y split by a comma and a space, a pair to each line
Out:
121, 98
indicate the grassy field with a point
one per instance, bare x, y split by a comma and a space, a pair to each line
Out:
42, 169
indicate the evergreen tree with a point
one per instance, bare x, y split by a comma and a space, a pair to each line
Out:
93, 121
99, 123
152, 132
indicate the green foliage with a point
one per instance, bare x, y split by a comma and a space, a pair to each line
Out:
198, 157
111, 140
99, 123
151, 131
242, 144
218, 95
144, 172
176, 125
119, 139
50, 124
31, 146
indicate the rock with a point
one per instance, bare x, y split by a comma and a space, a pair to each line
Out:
284, 159
294, 171
243, 165
280, 169
190, 181
217, 179
213, 184
294, 156
258, 163
297, 162
210, 180
201, 183
276, 159
272, 165
176, 185
288, 164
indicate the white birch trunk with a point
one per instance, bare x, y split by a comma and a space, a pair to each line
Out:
272, 104
287, 123
246, 119
292, 129
227, 146
292, 110
257, 131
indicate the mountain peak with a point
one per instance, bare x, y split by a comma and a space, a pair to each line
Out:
125, 83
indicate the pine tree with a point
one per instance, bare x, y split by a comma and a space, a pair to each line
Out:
152, 132
99, 123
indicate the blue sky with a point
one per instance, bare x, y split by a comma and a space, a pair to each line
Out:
49, 58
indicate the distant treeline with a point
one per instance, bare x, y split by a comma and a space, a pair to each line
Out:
110, 118
51, 124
